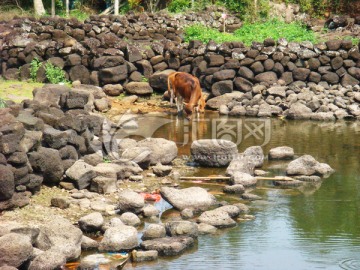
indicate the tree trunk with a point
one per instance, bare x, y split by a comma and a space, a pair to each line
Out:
67, 8
39, 8
116, 7
52, 8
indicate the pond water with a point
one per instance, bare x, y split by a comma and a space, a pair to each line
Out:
317, 227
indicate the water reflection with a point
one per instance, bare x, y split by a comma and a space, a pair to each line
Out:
313, 227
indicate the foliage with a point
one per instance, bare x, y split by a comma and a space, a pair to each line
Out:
205, 34
34, 67
274, 29
2, 103
54, 74
144, 79
179, 5
252, 32
355, 40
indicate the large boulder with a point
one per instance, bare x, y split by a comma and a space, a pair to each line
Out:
216, 102
81, 174
47, 162
255, 154
130, 201
194, 197
162, 151
217, 218
50, 94
91, 222
242, 164
48, 260
138, 88
307, 165
119, 238
154, 231
213, 153
243, 179
178, 228
169, 246
15, 249
158, 80
60, 236
299, 111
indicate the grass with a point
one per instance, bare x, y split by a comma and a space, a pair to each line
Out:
17, 90
252, 32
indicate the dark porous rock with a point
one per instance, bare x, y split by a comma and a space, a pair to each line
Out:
162, 151
48, 260
10, 136
50, 94
242, 84
217, 218
268, 77
154, 231
130, 219
215, 60
138, 88
301, 74
30, 122
299, 111
124, 168
330, 77
216, 102
102, 104
60, 202
114, 74
31, 140
81, 174
47, 162
15, 249
143, 256
347, 80
194, 197
161, 170
281, 152
222, 75
213, 153
79, 73
179, 228
158, 80
119, 238
7, 184
91, 222
131, 201
107, 61
234, 189
307, 165
87, 243
169, 246
113, 89
222, 87
54, 138
333, 45
246, 73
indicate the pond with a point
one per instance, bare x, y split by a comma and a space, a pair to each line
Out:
316, 227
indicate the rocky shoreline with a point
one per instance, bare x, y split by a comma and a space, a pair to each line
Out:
96, 185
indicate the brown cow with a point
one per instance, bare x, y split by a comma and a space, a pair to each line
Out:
186, 88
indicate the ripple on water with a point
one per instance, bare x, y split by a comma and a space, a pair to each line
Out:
350, 264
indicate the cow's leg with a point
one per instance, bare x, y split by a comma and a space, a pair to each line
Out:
179, 104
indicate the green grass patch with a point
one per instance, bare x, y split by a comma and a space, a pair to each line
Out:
17, 90
252, 32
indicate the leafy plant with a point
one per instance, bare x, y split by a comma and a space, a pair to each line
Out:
54, 74
177, 6
2, 103
106, 159
144, 79
250, 32
34, 67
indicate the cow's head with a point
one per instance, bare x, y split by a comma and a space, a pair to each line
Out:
189, 108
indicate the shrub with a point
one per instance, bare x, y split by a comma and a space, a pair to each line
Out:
2, 103
34, 67
179, 5
54, 74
